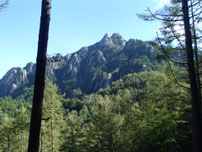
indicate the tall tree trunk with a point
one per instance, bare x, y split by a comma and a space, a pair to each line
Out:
195, 99
39, 78
196, 52
52, 131
42, 139
22, 140
8, 143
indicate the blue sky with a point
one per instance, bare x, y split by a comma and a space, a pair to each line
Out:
74, 23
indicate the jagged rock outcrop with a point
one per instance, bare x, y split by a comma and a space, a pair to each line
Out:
86, 70
83, 51
30, 68
106, 40
12, 80
75, 61
118, 39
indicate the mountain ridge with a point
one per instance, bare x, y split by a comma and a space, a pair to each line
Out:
86, 70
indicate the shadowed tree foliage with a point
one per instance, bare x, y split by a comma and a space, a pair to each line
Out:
4, 4
179, 33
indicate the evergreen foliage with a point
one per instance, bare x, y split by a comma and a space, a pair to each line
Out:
144, 111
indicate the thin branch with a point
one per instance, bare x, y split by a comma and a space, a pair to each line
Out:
172, 72
194, 4
164, 51
165, 20
177, 39
198, 14
167, 15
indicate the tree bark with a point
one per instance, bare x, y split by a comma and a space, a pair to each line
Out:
195, 98
52, 131
196, 52
8, 143
22, 140
39, 78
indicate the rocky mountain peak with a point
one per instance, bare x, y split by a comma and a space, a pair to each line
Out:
30, 68
106, 40
75, 60
88, 69
118, 39
83, 51
12, 80
130, 43
67, 57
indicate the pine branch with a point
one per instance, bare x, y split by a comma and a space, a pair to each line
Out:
3, 5
163, 19
164, 51
173, 74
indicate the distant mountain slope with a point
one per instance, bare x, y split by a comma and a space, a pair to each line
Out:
87, 70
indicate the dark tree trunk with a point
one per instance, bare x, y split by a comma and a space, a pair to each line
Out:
195, 98
39, 78
196, 52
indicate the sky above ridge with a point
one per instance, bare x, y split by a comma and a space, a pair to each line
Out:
74, 23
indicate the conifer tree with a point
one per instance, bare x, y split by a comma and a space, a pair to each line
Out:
52, 118
178, 37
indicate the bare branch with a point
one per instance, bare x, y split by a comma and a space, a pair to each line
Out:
173, 74
177, 39
164, 51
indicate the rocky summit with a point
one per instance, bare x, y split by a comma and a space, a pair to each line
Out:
87, 70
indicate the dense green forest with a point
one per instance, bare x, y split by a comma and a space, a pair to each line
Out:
129, 115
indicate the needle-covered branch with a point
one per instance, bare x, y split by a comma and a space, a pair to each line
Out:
4, 4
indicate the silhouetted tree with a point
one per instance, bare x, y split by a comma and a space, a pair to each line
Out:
39, 78
195, 96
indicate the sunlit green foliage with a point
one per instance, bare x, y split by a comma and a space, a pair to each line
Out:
142, 112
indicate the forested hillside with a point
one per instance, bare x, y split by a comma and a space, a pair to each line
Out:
129, 115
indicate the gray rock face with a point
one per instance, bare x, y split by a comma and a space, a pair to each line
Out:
75, 61
12, 80
74, 72
115, 39
83, 51
130, 43
106, 40
30, 68
108, 80
118, 39
100, 57
67, 57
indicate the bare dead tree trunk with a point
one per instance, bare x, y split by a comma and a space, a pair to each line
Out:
39, 78
195, 99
